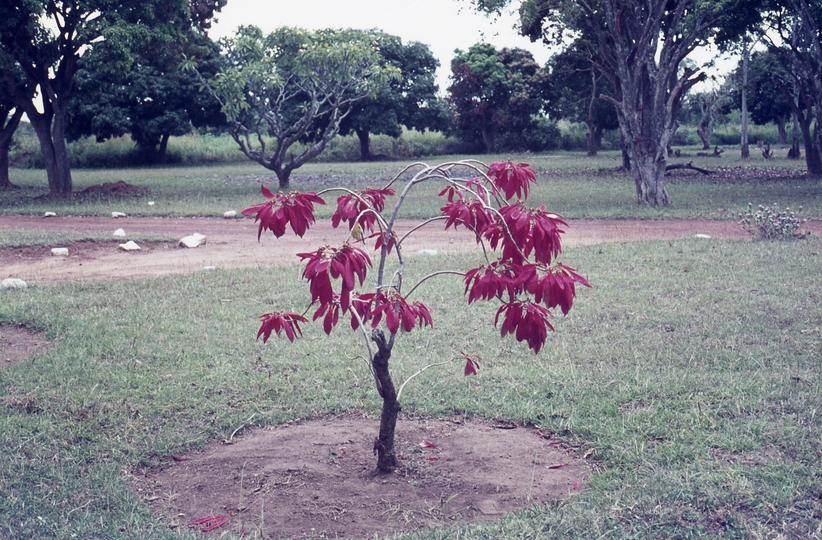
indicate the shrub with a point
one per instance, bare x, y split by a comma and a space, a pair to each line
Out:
768, 222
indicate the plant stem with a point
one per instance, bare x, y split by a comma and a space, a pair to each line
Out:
384, 444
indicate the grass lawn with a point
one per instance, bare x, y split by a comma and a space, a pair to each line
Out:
570, 183
692, 369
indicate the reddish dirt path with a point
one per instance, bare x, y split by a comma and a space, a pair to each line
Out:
232, 244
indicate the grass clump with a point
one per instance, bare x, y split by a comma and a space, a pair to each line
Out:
691, 369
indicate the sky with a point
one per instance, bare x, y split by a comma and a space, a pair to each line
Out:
443, 25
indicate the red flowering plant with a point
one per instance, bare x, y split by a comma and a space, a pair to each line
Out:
525, 278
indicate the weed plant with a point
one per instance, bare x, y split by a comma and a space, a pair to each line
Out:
691, 370
771, 223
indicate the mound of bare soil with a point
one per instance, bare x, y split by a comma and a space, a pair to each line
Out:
18, 343
114, 188
316, 478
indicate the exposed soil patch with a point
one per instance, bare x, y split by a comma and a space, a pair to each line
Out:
316, 478
18, 343
114, 188
233, 243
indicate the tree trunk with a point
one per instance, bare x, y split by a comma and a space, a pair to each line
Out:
812, 157
746, 152
51, 135
162, 153
6, 136
649, 177
365, 144
384, 444
489, 138
593, 139
794, 152
781, 123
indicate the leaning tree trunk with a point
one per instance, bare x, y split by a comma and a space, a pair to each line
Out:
384, 444
6, 136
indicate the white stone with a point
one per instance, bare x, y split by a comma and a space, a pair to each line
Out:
427, 252
49, 214
702, 235
118, 214
209, 268
151, 203
129, 246
192, 241
60, 252
230, 214
119, 232
13, 283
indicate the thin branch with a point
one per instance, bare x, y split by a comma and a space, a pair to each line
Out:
438, 273
399, 392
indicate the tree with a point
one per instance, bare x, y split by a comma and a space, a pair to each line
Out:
152, 101
640, 48
709, 104
10, 116
46, 40
526, 278
580, 86
799, 49
291, 86
495, 92
409, 100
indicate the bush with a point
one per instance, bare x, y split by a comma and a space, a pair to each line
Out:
768, 222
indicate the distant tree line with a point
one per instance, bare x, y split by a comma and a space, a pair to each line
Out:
148, 69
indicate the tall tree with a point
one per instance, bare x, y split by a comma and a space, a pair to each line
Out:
799, 49
294, 85
47, 39
579, 86
152, 101
495, 92
766, 102
709, 104
10, 116
640, 47
409, 100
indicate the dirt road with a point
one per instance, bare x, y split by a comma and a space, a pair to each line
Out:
232, 243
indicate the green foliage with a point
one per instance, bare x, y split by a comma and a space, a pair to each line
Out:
294, 85
495, 93
409, 100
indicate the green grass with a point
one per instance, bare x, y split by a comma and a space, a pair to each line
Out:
692, 368
577, 186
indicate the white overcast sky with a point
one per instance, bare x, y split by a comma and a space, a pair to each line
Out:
443, 25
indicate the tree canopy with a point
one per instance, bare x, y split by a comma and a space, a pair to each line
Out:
640, 47
291, 86
495, 92
409, 100
46, 41
151, 101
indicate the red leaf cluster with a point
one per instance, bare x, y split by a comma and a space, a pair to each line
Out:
523, 231
353, 208
327, 263
295, 209
397, 311
281, 321
529, 240
512, 178
527, 321
471, 363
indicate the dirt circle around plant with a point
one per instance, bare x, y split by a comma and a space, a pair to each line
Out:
316, 478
